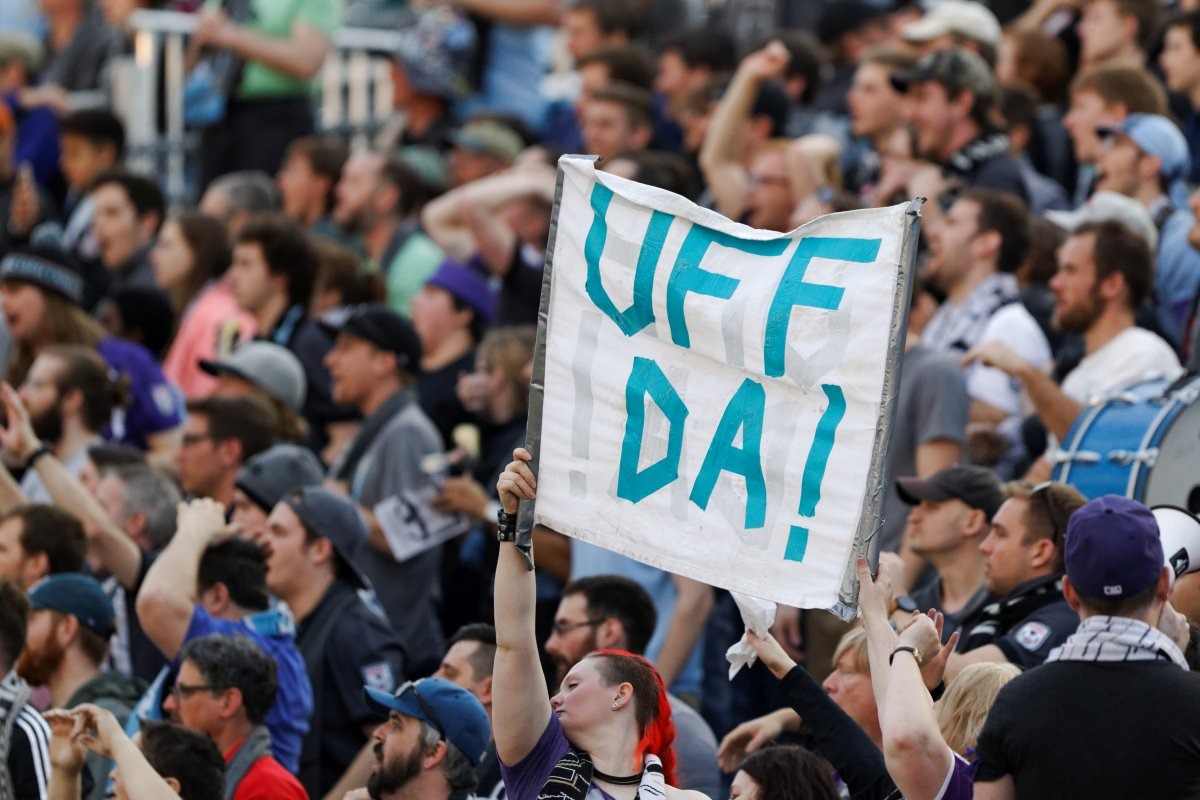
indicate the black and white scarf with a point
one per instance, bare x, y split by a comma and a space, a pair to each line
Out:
14, 694
571, 779
1103, 638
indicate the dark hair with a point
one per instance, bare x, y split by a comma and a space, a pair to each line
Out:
325, 156
1003, 213
107, 455
236, 662
99, 127
94, 646
241, 566
1119, 606
86, 372
1135, 88
1119, 249
190, 757
50, 530
1043, 62
612, 16
1048, 507
246, 418
413, 190
704, 46
208, 239
146, 318
14, 617
1149, 15
635, 101
808, 60
665, 170
1045, 239
1189, 20
287, 251
484, 657
477, 327
789, 771
339, 268
652, 706
626, 63
620, 598
142, 192
1018, 104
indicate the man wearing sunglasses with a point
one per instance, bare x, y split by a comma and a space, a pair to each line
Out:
1025, 616
434, 737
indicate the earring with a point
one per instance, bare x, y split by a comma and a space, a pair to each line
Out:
615, 705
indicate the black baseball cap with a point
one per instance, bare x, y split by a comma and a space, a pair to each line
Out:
976, 486
331, 516
271, 474
385, 329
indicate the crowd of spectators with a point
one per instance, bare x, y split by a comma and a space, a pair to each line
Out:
257, 472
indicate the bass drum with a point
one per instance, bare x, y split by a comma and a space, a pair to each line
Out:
1141, 441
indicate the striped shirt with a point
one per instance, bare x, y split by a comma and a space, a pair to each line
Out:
29, 747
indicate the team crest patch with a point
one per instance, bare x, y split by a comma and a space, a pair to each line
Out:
164, 400
1032, 635
379, 676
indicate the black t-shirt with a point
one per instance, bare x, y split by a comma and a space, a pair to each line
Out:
1096, 730
521, 288
930, 596
345, 646
437, 390
29, 753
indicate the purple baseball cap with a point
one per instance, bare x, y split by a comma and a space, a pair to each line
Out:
467, 286
1112, 548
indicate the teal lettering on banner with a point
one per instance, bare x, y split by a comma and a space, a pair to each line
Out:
745, 412
647, 379
688, 278
640, 312
794, 291
814, 469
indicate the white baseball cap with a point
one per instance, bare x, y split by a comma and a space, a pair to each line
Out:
967, 19
1107, 205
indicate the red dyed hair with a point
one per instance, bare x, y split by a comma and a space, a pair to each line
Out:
653, 709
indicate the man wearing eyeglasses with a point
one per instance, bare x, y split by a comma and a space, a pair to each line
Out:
434, 737
225, 687
1026, 616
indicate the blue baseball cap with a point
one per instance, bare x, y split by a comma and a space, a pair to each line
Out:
1155, 135
76, 594
450, 709
1112, 548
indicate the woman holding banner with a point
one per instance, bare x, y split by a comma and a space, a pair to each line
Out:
607, 734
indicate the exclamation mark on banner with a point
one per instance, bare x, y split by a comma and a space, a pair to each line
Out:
814, 469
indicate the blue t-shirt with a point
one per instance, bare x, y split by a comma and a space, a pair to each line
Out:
156, 404
588, 559
288, 718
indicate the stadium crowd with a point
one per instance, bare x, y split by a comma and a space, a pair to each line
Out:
262, 452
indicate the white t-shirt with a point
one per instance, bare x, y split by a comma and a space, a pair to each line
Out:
1016, 327
1132, 354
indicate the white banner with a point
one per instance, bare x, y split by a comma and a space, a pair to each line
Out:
716, 397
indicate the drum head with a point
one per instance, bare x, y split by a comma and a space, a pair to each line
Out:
1175, 478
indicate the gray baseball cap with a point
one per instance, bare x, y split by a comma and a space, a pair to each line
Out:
331, 516
269, 366
271, 474
955, 69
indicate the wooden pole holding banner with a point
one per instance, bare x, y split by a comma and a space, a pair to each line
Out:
773, 382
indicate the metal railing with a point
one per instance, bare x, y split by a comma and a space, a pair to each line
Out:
354, 99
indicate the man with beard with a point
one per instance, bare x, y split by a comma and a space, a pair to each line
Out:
66, 642
428, 748
70, 400
1105, 270
612, 612
379, 198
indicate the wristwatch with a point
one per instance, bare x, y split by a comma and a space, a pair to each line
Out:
506, 526
904, 648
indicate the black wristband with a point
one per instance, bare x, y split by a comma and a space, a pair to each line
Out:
937, 691
36, 454
904, 648
506, 526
